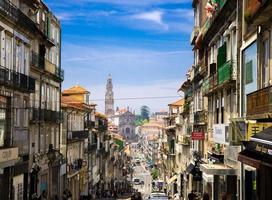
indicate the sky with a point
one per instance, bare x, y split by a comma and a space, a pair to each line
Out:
143, 44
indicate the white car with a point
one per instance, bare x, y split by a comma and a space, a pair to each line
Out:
158, 196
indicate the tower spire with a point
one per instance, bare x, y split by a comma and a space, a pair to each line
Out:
109, 99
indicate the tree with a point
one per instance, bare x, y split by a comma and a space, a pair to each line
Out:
155, 174
145, 111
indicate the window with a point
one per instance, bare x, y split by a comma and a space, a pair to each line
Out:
25, 113
17, 112
265, 63
26, 61
8, 52
38, 17
52, 137
42, 140
36, 135
222, 108
2, 125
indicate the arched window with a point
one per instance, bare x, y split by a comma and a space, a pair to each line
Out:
127, 130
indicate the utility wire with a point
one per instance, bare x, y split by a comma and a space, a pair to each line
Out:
138, 98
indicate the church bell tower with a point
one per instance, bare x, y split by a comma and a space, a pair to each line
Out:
109, 101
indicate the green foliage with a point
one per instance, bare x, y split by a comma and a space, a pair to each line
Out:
145, 112
155, 174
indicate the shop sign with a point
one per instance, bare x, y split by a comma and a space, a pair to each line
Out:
198, 136
219, 133
254, 128
263, 149
8, 154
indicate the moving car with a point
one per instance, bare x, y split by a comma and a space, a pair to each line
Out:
137, 181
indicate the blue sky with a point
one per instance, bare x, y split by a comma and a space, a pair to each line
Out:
143, 44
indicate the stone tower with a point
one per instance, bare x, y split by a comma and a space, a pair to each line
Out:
109, 101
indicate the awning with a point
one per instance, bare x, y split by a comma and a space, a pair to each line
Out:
171, 180
207, 177
258, 150
190, 168
217, 169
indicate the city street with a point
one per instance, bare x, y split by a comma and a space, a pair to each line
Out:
145, 176
141, 173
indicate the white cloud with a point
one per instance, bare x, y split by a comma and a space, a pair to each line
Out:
152, 16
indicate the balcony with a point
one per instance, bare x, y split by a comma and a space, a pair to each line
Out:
37, 61
43, 115
89, 124
7, 9
188, 93
80, 134
91, 148
54, 70
16, 80
194, 35
8, 156
205, 86
200, 118
26, 22
212, 25
259, 103
196, 72
100, 151
213, 80
225, 73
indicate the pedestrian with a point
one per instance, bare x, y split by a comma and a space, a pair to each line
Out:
206, 196
192, 195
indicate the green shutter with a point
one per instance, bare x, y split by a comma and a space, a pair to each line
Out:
222, 55
249, 72
48, 26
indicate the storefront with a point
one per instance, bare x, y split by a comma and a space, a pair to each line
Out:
257, 162
219, 179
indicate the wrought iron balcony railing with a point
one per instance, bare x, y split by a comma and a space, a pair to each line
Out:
16, 80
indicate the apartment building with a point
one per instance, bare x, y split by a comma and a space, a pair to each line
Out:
28, 27
255, 99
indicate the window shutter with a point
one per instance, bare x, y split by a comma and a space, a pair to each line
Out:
249, 72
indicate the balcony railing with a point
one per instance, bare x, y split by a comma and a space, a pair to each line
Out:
259, 103
225, 73
212, 25
189, 93
54, 70
194, 35
8, 9
206, 86
213, 81
200, 117
80, 134
43, 115
16, 80
89, 124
